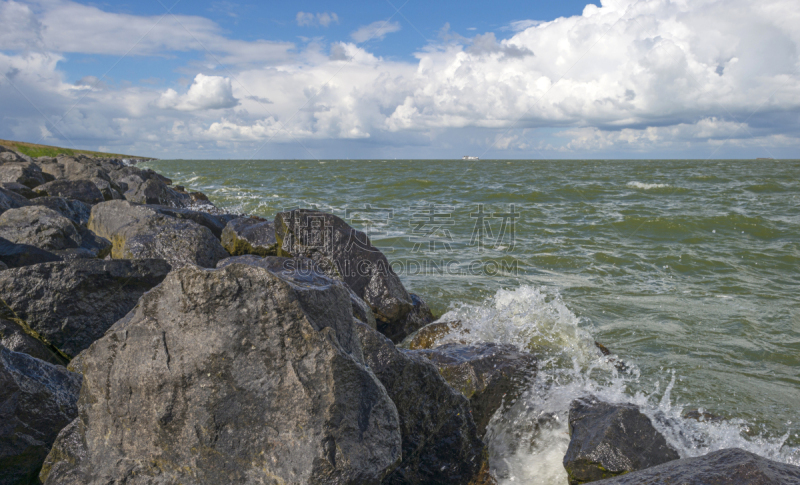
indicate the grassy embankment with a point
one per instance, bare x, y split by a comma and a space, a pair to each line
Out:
34, 150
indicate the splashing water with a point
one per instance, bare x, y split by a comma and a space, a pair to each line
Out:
527, 442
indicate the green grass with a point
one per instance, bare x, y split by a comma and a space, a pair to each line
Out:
34, 150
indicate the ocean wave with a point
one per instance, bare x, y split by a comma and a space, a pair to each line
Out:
644, 186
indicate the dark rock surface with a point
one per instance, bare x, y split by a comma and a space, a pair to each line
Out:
214, 222
18, 255
19, 189
11, 200
76, 211
349, 255
607, 440
488, 374
37, 400
440, 440
233, 376
731, 466
82, 190
71, 304
39, 226
14, 338
426, 337
25, 173
155, 191
139, 232
249, 235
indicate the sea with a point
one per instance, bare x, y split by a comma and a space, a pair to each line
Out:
688, 271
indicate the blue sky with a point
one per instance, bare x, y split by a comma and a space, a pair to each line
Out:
614, 79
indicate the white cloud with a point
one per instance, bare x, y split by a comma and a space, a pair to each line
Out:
306, 19
206, 92
376, 30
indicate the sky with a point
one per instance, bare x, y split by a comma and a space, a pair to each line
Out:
647, 79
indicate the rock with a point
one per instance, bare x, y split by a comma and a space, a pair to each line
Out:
47, 229
18, 255
37, 400
14, 338
107, 189
731, 466
488, 374
607, 440
27, 173
426, 337
9, 155
348, 254
419, 316
74, 210
440, 440
11, 200
19, 189
154, 191
214, 222
234, 375
71, 304
3, 266
82, 190
249, 235
139, 232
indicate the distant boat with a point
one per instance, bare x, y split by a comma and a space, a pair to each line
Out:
467, 157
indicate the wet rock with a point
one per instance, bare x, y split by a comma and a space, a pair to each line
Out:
82, 190
37, 400
426, 337
14, 338
419, 316
440, 440
249, 235
71, 304
11, 200
731, 466
155, 191
139, 232
47, 229
242, 375
489, 375
19, 189
17, 255
74, 210
25, 173
349, 255
607, 440
214, 222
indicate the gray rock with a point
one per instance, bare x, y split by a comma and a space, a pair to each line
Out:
491, 376
11, 200
155, 191
347, 254
731, 466
234, 375
440, 440
37, 400
9, 155
39, 226
19, 189
74, 210
3, 266
139, 232
249, 235
214, 222
14, 338
25, 173
18, 255
71, 304
607, 440
107, 189
82, 190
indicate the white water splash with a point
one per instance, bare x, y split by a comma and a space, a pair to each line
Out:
644, 186
528, 442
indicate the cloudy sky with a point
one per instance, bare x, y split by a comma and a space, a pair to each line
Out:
404, 78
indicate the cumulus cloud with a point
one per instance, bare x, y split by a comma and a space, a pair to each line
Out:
374, 31
206, 92
306, 19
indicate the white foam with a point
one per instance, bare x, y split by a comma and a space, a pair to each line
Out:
643, 186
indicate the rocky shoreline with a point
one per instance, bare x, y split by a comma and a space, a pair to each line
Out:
149, 337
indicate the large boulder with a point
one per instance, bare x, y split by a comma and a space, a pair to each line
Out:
491, 376
71, 304
236, 375
76, 211
82, 190
11, 200
249, 235
731, 466
440, 440
154, 191
607, 440
19, 189
427, 336
214, 222
9, 155
142, 232
47, 229
25, 173
348, 254
14, 338
14, 255
37, 400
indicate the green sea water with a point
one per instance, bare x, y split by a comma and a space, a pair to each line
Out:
687, 270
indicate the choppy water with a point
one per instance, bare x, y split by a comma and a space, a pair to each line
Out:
687, 270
